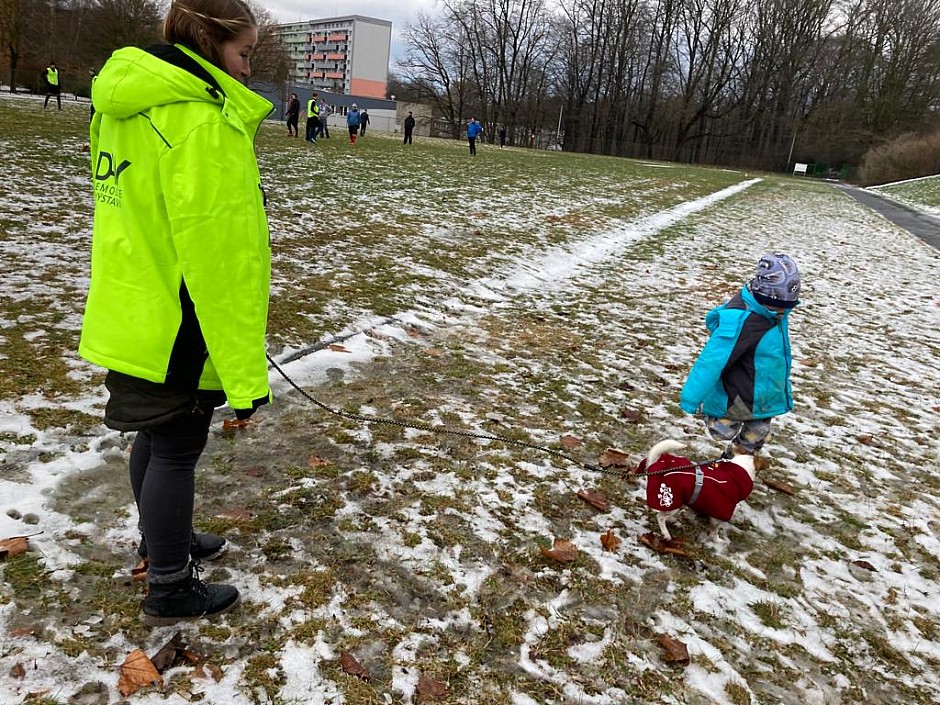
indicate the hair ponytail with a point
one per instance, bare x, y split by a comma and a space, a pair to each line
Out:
205, 25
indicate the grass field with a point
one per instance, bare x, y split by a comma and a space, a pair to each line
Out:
519, 293
922, 194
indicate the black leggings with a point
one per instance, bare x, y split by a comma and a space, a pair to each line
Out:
163, 471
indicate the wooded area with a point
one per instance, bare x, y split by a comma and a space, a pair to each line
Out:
79, 35
756, 84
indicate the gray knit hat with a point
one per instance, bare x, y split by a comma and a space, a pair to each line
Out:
777, 282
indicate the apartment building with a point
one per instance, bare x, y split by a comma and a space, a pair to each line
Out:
346, 55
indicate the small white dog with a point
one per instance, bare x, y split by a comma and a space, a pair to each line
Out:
714, 488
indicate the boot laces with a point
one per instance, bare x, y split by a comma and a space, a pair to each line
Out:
199, 587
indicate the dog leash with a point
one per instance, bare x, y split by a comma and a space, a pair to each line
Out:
370, 419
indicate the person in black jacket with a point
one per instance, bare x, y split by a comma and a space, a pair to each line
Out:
293, 115
409, 127
363, 121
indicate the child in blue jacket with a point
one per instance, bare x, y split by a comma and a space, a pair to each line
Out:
741, 379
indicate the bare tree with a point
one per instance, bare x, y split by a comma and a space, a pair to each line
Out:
436, 64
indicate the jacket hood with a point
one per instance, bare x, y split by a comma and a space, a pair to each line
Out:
135, 80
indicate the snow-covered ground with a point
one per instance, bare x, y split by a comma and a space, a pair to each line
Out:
520, 294
922, 193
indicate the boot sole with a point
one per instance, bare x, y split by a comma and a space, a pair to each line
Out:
154, 621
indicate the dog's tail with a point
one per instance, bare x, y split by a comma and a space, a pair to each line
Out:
667, 446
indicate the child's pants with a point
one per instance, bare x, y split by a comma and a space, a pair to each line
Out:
747, 435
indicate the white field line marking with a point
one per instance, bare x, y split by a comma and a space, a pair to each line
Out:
545, 270
552, 268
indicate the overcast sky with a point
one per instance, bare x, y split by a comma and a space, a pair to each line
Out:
398, 12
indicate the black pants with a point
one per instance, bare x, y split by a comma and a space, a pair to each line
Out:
408, 137
58, 98
163, 478
292, 123
473, 145
313, 127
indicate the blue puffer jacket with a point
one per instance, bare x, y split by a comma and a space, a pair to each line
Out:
743, 372
474, 129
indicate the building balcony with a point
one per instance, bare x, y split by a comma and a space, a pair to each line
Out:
334, 74
336, 56
337, 37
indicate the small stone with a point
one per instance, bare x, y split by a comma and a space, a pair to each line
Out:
13, 514
92, 693
31, 518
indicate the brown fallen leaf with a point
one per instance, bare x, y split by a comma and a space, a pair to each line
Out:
137, 671
676, 651
191, 657
562, 551
779, 486
612, 457
433, 352
256, 471
596, 499
234, 423
430, 688
609, 540
352, 666
22, 631
237, 513
207, 670
568, 441
139, 571
661, 545
631, 415
17, 671
866, 439
866, 565
315, 461
13, 546
168, 654
335, 347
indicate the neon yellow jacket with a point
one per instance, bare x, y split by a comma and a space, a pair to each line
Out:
52, 76
179, 216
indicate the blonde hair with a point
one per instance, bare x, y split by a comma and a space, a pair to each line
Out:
205, 25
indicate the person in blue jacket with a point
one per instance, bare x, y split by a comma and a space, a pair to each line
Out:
474, 130
352, 122
741, 379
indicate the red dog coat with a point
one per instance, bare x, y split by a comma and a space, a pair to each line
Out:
713, 489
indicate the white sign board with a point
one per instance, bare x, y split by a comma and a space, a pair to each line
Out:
799, 168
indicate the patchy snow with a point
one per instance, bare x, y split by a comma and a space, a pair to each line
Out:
781, 610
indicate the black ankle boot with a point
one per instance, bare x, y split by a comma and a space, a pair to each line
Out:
186, 599
203, 547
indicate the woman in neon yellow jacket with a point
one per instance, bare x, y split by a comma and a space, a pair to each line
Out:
180, 272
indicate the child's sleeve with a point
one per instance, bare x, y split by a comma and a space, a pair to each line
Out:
711, 362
